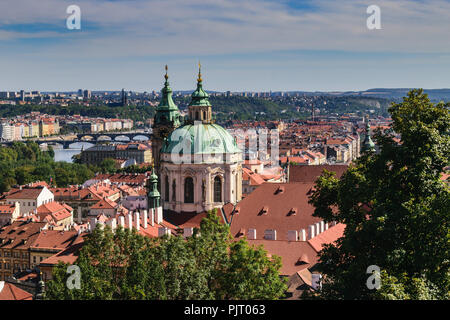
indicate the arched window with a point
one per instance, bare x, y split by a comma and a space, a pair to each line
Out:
204, 115
217, 189
196, 115
166, 187
188, 190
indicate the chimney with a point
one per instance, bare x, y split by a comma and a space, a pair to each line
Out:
159, 215
152, 217
187, 232
130, 221
292, 235
322, 226
251, 235
312, 229
162, 231
112, 223
326, 226
317, 231
92, 223
122, 221
137, 221
303, 235
145, 219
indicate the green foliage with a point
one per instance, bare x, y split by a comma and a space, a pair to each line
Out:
395, 207
208, 265
23, 163
405, 288
108, 165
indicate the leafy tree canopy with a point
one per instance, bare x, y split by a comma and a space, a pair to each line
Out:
395, 208
208, 265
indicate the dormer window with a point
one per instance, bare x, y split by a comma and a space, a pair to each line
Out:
264, 210
292, 211
279, 190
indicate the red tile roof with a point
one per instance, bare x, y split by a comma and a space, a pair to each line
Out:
309, 174
25, 193
104, 204
56, 210
69, 255
8, 208
53, 239
290, 252
279, 204
8, 291
327, 237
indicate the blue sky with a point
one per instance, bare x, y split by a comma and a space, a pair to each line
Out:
243, 45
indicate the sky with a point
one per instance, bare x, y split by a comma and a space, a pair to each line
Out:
243, 45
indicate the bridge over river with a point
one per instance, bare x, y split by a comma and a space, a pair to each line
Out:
94, 138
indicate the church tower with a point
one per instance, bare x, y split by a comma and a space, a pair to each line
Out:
368, 144
153, 195
167, 119
200, 107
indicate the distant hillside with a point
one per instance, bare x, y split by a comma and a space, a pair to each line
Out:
395, 94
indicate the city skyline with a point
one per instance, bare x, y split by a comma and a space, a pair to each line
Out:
248, 45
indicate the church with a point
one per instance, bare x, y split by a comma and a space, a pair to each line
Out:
198, 162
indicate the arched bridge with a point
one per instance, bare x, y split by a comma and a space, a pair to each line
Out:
91, 138
111, 136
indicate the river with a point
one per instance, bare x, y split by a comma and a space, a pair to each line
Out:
67, 154
75, 148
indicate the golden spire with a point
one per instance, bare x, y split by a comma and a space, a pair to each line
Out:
166, 75
199, 72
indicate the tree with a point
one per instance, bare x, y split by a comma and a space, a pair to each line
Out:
394, 206
208, 265
108, 165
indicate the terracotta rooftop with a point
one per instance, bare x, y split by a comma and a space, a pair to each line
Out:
327, 237
25, 193
8, 291
277, 199
20, 234
290, 252
54, 240
309, 174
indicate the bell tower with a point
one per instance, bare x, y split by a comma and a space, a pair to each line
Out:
200, 107
167, 119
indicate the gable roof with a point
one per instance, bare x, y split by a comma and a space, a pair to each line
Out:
104, 204
290, 252
278, 200
327, 237
8, 291
53, 239
25, 193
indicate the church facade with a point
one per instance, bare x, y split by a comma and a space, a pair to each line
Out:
198, 162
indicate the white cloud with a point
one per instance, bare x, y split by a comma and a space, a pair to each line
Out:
180, 29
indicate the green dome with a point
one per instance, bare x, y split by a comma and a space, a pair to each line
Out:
204, 139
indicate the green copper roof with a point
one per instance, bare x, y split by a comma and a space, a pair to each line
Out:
153, 192
368, 144
199, 96
204, 139
167, 111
